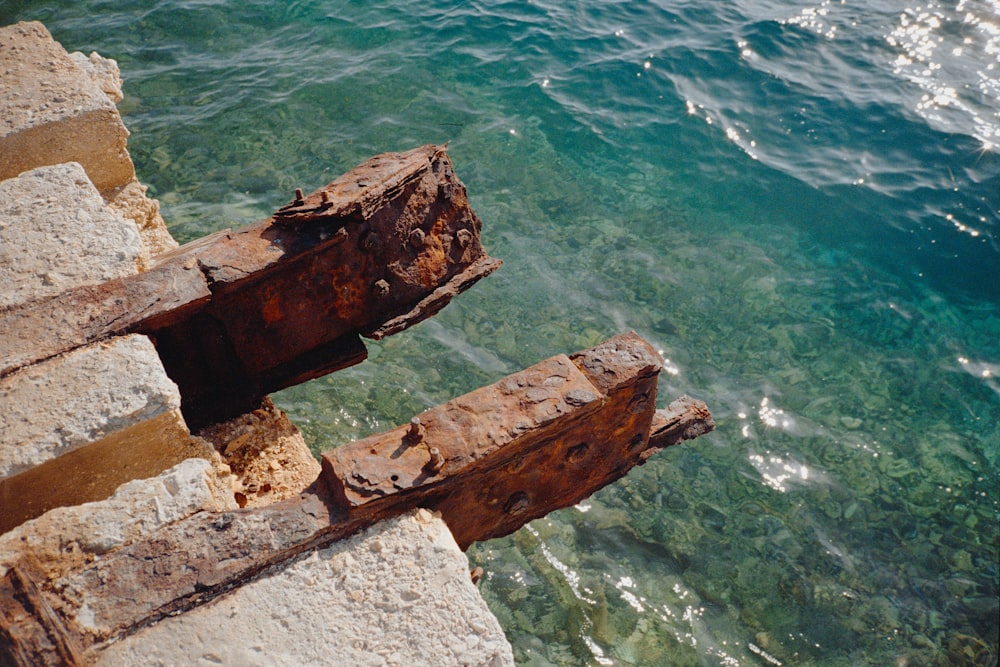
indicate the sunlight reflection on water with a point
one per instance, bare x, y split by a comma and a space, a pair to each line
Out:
953, 55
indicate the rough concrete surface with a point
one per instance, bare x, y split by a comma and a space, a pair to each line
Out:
266, 453
68, 537
63, 403
57, 233
398, 593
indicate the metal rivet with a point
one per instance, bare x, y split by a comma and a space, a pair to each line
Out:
299, 196
464, 238
324, 197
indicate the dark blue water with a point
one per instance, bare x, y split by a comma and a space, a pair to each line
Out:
797, 202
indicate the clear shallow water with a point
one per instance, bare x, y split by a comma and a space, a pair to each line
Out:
797, 202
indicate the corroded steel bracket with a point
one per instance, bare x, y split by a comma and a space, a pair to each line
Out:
488, 461
239, 314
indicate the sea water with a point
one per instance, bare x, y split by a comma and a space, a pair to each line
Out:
797, 203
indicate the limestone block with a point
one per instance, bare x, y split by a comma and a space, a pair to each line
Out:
52, 111
398, 593
57, 233
58, 107
66, 538
73, 428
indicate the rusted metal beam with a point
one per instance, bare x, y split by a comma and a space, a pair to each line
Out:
489, 461
30, 631
239, 314
494, 459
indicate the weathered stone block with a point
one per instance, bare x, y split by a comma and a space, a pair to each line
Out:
74, 428
57, 233
54, 111
67, 537
57, 107
398, 593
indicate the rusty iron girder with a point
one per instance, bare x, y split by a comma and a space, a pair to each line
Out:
538, 440
239, 314
489, 462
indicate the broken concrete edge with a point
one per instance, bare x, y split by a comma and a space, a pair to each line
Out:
49, 409
57, 450
266, 453
60, 108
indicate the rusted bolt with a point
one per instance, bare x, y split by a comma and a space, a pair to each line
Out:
416, 432
517, 503
476, 574
417, 238
436, 462
299, 196
463, 238
382, 289
324, 197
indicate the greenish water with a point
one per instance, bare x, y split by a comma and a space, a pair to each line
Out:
798, 203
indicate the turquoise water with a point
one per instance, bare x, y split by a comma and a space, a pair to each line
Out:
797, 202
